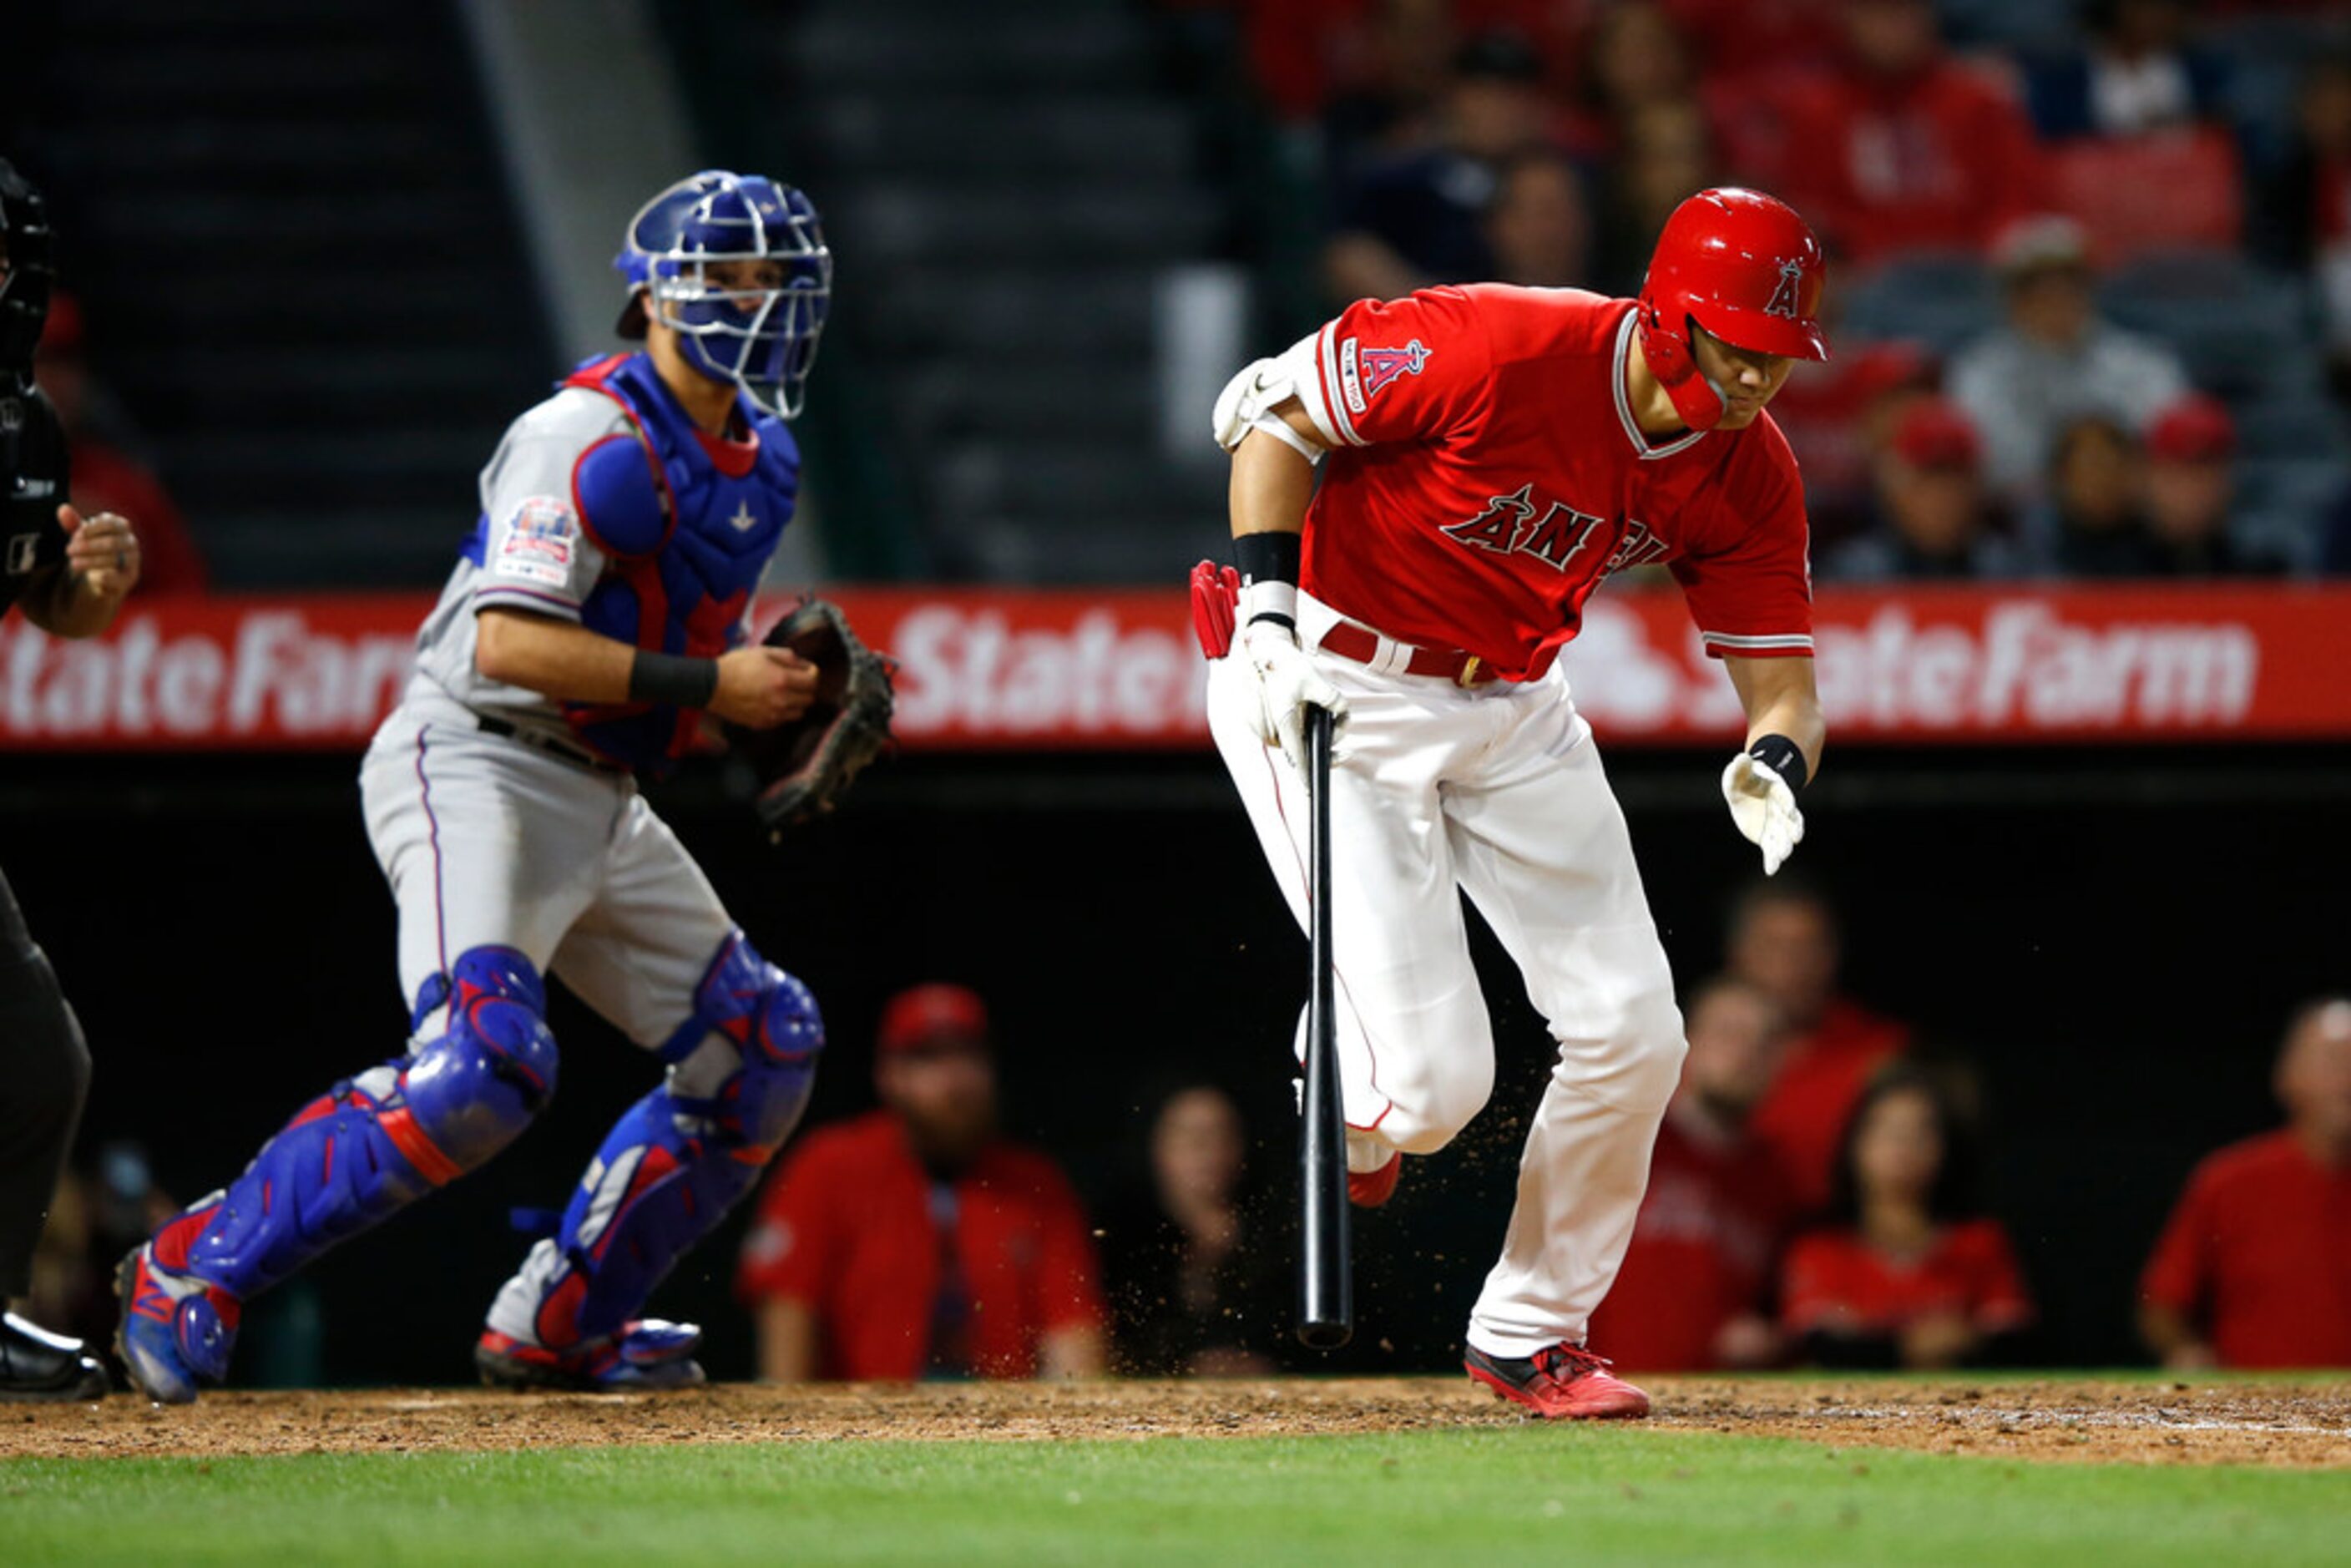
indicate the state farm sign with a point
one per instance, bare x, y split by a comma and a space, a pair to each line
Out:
1111, 670
205, 674
1976, 665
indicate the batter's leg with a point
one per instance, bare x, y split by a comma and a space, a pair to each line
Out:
1416, 1046
658, 957
1544, 852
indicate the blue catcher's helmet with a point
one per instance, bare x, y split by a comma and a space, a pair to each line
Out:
762, 339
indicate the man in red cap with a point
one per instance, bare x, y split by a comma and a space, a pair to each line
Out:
2191, 449
1489, 455
1934, 520
916, 1243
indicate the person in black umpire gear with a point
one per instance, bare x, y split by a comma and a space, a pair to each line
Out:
71, 575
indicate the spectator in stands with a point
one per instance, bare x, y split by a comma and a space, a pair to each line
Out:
1665, 153
914, 1241
1935, 520
106, 476
2055, 361
1417, 218
2137, 71
2302, 213
2094, 524
2191, 491
1784, 941
1538, 228
2254, 1268
1196, 1289
1840, 419
1906, 149
1908, 1272
1693, 1291
1635, 58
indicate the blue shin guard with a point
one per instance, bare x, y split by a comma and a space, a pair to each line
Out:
741, 1070
349, 1160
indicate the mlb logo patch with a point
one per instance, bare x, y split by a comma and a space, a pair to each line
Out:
24, 550
537, 544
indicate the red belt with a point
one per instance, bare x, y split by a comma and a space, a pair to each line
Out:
1352, 641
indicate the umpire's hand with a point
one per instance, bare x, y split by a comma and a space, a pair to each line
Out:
102, 552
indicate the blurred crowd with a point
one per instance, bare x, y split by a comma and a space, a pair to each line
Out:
2091, 259
1814, 1199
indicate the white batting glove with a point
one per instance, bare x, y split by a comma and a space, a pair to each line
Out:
1764, 808
1286, 681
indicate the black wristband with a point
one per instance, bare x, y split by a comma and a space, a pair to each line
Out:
1782, 756
1268, 557
677, 679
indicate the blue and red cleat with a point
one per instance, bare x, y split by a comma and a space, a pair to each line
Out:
177, 1331
1558, 1382
646, 1354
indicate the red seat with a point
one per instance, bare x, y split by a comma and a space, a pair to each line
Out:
2159, 191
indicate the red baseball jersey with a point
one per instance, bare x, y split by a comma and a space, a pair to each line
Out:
1833, 1279
1487, 475
847, 1228
1827, 1070
1702, 1254
2259, 1251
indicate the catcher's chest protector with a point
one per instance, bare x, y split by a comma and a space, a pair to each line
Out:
687, 526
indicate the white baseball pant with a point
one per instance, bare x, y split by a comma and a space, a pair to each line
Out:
1496, 791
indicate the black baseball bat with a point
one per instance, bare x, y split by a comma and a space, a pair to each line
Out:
1326, 1291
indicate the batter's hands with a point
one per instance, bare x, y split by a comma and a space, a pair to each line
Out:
102, 552
1286, 681
1764, 808
762, 687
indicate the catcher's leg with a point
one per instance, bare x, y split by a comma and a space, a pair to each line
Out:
349, 1160
741, 1067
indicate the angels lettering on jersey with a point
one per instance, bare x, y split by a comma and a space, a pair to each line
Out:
1509, 524
1488, 474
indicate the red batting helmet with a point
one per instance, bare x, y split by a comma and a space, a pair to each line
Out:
1744, 266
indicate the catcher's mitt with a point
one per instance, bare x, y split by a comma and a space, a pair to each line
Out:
807, 764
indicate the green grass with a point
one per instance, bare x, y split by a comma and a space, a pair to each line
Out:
1528, 1493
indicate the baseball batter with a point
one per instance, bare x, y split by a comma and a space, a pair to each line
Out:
1486, 456
597, 612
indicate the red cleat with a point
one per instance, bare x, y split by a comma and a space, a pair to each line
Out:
1560, 1382
1369, 1189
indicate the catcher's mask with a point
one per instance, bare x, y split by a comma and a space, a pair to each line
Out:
762, 339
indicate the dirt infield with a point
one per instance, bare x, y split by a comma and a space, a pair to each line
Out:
2151, 1423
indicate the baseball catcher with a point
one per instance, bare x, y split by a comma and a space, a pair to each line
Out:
594, 618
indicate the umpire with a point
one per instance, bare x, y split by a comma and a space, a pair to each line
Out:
72, 575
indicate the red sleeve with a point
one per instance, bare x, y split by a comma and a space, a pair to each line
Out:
2179, 1274
1749, 576
1810, 1294
1068, 1275
1998, 1300
1416, 369
789, 1250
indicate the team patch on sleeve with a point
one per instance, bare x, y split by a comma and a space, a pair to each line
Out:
1363, 372
537, 543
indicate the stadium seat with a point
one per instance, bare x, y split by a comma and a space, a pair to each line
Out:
1938, 301
2137, 193
2246, 333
